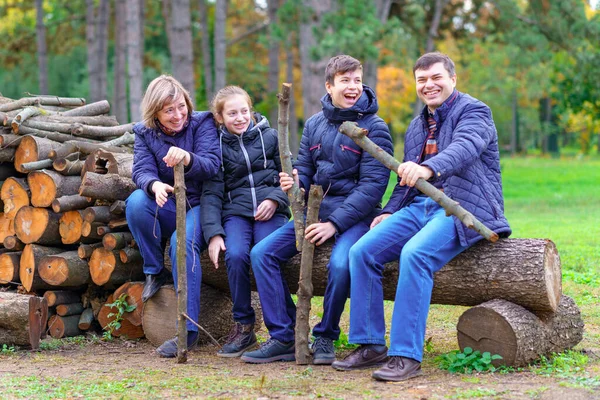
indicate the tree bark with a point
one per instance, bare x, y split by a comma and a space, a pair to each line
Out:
120, 86
102, 162
58, 297
519, 336
89, 110
293, 120
64, 310
117, 240
130, 254
133, 290
42, 52
135, 47
97, 47
33, 148
107, 187
97, 214
86, 250
64, 270
107, 269
65, 166
28, 271
370, 65
182, 295
42, 100
70, 203
47, 185
220, 43
524, 271
182, 57
273, 52
87, 317
82, 147
305, 287
206, 55
294, 194
22, 319
61, 327
118, 207
37, 225
13, 243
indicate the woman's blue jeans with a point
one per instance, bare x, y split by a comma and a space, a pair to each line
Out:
241, 233
279, 311
151, 226
424, 239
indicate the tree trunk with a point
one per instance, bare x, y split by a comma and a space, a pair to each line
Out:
64, 270
293, 121
68, 167
118, 207
182, 57
93, 52
120, 86
107, 187
370, 65
57, 297
13, 243
47, 185
37, 225
130, 254
89, 110
86, 250
102, 162
33, 148
220, 44
313, 79
89, 230
61, 327
135, 47
133, 292
97, 214
69, 228
206, 54
273, 76
524, 271
42, 53
86, 319
160, 314
14, 194
22, 319
28, 269
127, 329
107, 269
520, 337
7, 226
116, 240
9, 267
70, 203
64, 310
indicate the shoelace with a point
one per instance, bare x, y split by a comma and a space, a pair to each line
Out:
323, 344
395, 361
234, 331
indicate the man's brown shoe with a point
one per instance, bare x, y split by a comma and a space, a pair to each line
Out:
398, 369
365, 356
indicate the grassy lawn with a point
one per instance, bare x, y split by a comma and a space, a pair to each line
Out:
558, 199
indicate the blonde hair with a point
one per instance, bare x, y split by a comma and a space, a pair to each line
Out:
162, 90
218, 102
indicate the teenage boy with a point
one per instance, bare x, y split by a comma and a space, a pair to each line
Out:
454, 145
353, 183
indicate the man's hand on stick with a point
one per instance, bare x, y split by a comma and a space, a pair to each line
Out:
409, 172
319, 233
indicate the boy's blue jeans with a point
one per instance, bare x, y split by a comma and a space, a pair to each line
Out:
148, 234
424, 239
279, 311
241, 233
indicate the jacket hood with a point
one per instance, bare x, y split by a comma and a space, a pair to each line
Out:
261, 124
366, 104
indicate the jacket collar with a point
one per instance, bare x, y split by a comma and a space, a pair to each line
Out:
366, 104
442, 111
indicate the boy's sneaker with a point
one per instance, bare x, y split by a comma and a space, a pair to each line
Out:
241, 338
271, 350
323, 351
169, 348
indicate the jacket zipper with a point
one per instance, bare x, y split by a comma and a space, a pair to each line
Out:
250, 176
315, 147
349, 148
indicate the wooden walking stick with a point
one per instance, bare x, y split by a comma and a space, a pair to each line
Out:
305, 286
181, 263
294, 194
359, 136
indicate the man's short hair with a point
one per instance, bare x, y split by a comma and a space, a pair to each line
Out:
340, 65
428, 59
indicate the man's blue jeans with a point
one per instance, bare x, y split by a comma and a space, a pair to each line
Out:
241, 233
279, 311
150, 227
424, 239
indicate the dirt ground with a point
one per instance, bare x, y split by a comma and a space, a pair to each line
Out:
133, 370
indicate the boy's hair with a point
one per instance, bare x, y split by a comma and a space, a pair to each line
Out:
162, 90
428, 59
218, 102
340, 65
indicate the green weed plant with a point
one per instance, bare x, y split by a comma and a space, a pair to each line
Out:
122, 307
467, 361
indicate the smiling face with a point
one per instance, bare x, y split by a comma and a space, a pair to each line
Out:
236, 114
174, 114
434, 85
346, 88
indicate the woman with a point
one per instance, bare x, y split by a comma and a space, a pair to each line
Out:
170, 132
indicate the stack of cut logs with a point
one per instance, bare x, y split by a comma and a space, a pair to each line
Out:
66, 170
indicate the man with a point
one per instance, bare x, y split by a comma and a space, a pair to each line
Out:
353, 183
454, 145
